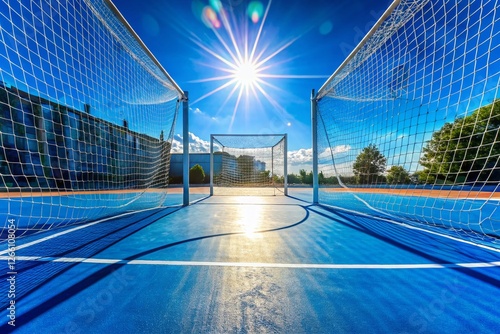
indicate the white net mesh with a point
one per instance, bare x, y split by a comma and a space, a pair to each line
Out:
409, 127
86, 115
249, 164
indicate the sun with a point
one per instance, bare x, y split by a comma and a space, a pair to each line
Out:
243, 60
246, 74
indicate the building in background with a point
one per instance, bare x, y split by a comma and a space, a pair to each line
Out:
47, 145
234, 164
202, 159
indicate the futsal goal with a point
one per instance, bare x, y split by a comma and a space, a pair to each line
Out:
86, 115
408, 127
248, 164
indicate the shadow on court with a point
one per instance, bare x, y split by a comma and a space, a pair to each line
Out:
418, 244
83, 243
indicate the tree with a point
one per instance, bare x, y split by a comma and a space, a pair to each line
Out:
322, 179
398, 175
417, 177
277, 179
306, 178
369, 165
466, 150
264, 177
196, 174
303, 175
294, 178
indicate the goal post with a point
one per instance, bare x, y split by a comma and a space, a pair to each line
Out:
248, 164
408, 127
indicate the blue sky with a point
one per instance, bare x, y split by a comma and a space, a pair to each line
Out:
297, 45
250, 66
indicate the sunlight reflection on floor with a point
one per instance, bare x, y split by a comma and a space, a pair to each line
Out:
250, 219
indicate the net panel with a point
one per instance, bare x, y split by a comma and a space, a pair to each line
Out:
86, 115
249, 164
408, 127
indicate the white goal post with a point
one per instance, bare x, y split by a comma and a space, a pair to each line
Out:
248, 164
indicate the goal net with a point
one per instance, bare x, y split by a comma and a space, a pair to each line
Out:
408, 126
86, 115
248, 165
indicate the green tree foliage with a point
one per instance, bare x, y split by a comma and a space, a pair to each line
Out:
294, 178
278, 179
349, 180
306, 178
398, 175
369, 165
196, 174
303, 177
416, 177
322, 179
466, 150
263, 177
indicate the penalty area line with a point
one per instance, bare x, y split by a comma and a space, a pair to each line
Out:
258, 264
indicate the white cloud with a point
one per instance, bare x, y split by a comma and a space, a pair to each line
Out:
340, 149
202, 117
304, 155
301, 156
176, 144
196, 144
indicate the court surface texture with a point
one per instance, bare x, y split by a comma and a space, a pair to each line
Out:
230, 264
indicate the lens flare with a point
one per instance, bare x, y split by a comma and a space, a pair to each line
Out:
216, 5
325, 28
255, 10
197, 8
210, 18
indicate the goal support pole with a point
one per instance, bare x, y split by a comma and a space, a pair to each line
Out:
185, 149
211, 165
314, 125
285, 167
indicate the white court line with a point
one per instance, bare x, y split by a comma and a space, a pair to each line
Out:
53, 236
259, 264
72, 230
412, 227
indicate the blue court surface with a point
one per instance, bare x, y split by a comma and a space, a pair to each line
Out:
230, 264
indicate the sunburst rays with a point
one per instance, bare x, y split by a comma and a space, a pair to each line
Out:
246, 64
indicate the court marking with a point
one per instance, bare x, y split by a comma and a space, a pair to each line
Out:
412, 227
79, 227
433, 193
257, 264
308, 208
